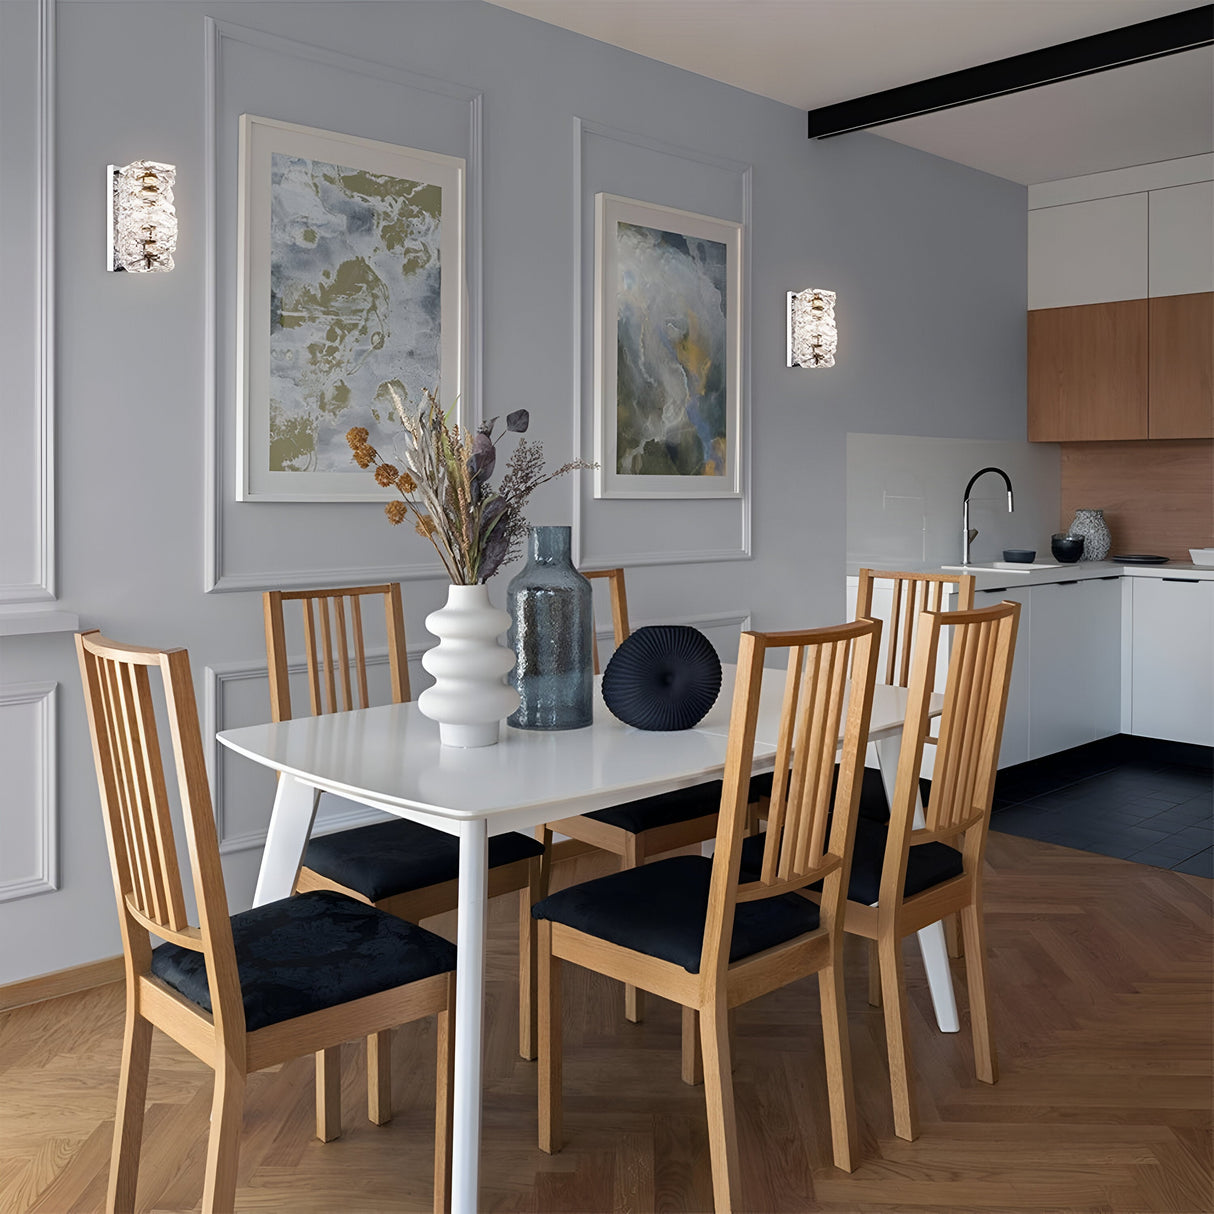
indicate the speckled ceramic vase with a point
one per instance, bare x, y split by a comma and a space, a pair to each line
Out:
1095, 531
552, 622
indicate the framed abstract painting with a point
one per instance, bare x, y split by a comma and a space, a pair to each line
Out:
667, 352
350, 281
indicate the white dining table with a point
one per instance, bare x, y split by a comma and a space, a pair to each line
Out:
390, 758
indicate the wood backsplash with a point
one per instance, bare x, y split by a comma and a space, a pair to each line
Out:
1157, 495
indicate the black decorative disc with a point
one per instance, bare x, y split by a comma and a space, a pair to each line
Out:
663, 677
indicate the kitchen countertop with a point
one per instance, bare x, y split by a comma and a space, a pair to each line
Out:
987, 578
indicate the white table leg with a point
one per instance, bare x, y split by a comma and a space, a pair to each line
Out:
290, 826
931, 938
469, 1013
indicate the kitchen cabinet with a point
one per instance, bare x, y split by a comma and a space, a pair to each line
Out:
1074, 664
1180, 366
1180, 240
1087, 372
1129, 370
1015, 745
1172, 659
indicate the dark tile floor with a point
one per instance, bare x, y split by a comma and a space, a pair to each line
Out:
1133, 798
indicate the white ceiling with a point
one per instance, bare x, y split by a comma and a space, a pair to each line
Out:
810, 53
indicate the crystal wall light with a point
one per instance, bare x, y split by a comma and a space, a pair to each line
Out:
812, 336
142, 222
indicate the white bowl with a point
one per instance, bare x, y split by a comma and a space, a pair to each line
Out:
1202, 556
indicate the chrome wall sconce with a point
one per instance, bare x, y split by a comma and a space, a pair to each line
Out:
142, 233
812, 336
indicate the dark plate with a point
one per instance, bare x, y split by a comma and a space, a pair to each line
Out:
1139, 558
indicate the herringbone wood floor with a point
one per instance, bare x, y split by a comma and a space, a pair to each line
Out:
1101, 972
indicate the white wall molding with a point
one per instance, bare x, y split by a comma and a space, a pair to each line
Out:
583, 127
215, 578
40, 699
42, 515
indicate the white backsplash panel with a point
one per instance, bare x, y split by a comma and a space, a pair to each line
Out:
904, 498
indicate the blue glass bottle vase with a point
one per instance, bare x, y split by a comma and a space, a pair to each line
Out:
552, 621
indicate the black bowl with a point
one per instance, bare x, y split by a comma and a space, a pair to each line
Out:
1067, 548
1019, 556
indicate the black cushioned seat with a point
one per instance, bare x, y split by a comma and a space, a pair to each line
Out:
873, 805
663, 810
659, 909
316, 950
928, 863
389, 858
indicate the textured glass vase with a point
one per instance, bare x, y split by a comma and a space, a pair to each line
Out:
1095, 531
552, 622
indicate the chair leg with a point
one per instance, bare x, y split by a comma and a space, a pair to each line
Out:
443, 1107
223, 1146
528, 1011
692, 1065
328, 1093
718, 1095
379, 1079
837, 1049
128, 1122
893, 989
634, 1000
952, 936
549, 973
986, 1064
874, 975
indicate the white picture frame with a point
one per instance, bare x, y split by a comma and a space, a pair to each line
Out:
668, 307
361, 244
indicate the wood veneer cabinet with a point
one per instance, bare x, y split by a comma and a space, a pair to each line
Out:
1087, 372
1181, 366
1133, 369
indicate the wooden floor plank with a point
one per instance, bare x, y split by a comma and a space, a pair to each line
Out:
1100, 972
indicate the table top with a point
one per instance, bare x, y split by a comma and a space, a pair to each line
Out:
390, 758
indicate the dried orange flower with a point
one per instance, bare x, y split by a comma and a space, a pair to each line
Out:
425, 525
385, 475
406, 482
364, 455
396, 512
357, 435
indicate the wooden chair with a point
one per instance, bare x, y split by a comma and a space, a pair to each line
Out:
910, 594
401, 867
917, 876
685, 929
243, 992
640, 829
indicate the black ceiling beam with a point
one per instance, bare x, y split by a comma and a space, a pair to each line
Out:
1084, 56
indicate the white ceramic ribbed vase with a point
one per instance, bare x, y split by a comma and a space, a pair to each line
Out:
468, 700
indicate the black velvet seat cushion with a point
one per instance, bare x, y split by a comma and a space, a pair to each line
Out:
388, 858
873, 805
313, 951
928, 863
663, 810
659, 909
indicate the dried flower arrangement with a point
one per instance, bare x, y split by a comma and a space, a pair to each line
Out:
475, 528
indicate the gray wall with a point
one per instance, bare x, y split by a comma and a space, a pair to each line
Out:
927, 257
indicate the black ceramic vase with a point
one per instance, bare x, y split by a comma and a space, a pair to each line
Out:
551, 632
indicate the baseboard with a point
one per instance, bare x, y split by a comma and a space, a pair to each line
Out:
60, 982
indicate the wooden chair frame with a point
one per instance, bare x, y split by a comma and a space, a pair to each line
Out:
799, 849
148, 888
334, 643
958, 812
632, 848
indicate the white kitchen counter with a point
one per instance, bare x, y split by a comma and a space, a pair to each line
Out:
986, 578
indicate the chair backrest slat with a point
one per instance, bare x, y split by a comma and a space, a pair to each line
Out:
912, 594
336, 650
619, 608
809, 834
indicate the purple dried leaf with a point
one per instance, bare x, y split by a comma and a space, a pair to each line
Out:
518, 421
483, 458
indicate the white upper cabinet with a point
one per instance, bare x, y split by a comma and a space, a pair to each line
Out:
1088, 252
1180, 231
